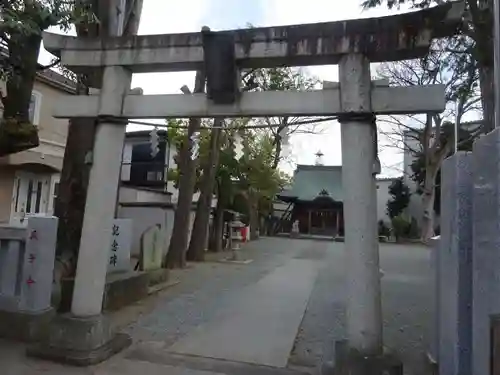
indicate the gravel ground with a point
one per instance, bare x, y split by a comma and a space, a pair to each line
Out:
206, 288
406, 287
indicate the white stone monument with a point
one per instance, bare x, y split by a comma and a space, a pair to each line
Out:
152, 245
295, 229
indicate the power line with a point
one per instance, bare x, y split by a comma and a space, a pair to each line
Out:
263, 126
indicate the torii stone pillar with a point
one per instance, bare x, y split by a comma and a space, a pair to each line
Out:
364, 312
84, 337
101, 196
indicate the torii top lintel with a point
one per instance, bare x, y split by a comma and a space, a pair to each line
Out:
389, 38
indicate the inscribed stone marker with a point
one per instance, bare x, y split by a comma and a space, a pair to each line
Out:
38, 264
152, 248
120, 245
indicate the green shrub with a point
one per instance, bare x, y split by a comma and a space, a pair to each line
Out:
400, 227
413, 230
383, 229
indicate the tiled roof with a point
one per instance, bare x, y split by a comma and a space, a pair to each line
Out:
57, 80
310, 180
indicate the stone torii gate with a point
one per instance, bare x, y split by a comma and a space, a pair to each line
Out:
355, 100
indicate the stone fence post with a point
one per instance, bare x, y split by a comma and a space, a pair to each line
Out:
27, 265
454, 262
486, 247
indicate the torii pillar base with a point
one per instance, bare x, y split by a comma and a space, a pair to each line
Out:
80, 341
349, 361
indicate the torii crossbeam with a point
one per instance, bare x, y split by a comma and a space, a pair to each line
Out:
379, 39
391, 38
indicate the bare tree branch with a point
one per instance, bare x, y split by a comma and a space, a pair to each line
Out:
51, 65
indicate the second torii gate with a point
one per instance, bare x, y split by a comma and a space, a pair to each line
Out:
355, 100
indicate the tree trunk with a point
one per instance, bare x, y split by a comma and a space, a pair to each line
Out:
17, 133
23, 56
277, 154
218, 226
196, 250
428, 197
278, 142
253, 219
486, 80
176, 256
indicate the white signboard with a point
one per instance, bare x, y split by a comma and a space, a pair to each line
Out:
120, 245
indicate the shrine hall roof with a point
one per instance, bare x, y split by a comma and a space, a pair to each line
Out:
311, 181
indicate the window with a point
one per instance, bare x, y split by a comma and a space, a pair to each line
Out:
28, 197
154, 176
55, 193
18, 186
38, 200
34, 111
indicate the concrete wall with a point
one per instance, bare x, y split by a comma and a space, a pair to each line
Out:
131, 194
49, 128
145, 216
414, 209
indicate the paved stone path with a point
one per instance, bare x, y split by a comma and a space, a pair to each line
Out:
242, 319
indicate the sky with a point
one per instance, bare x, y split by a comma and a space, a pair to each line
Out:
174, 16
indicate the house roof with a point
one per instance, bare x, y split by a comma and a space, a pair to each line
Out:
313, 181
50, 77
57, 80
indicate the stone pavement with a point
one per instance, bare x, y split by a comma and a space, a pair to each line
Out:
280, 314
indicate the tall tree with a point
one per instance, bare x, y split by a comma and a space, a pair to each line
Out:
281, 128
236, 175
21, 27
225, 189
472, 49
425, 135
196, 250
176, 256
199, 234
70, 202
400, 198
258, 180
466, 135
